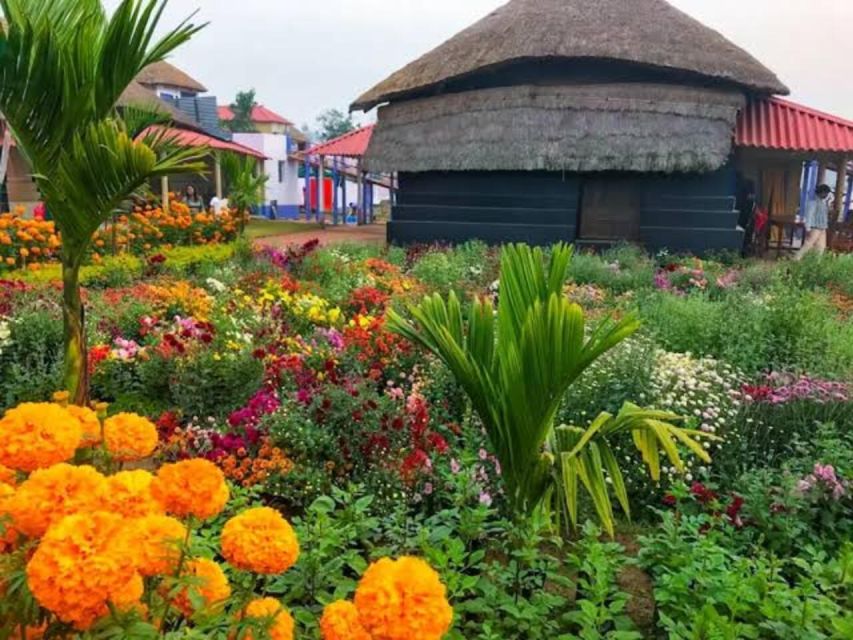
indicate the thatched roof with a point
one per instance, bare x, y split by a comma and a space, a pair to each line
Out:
615, 127
165, 74
652, 33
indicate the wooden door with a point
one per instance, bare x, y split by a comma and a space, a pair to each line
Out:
610, 209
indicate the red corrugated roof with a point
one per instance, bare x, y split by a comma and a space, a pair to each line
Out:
260, 114
193, 139
774, 123
350, 145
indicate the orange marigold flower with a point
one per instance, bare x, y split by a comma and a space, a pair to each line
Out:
403, 600
155, 542
261, 541
191, 488
129, 494
340, 622
49, 495
8, 476
271, 610
8, 535
89, 423
79, 567
38, 435
205, 580
130, 437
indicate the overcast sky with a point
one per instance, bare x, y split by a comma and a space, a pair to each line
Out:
304, 56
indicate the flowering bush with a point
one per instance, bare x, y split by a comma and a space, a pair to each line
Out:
26, 242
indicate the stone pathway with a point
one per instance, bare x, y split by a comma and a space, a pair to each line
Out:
374, 234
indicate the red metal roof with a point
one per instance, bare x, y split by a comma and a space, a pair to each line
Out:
774, 123
260, 114
350, 145
193, 139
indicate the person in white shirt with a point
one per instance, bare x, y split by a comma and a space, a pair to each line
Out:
816, 219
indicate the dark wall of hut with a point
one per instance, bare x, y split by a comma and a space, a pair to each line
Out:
688, 212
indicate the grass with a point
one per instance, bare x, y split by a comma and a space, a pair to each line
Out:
266, 228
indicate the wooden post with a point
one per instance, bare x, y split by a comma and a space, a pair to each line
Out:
360, 209
840, 191
164, 193
217, 175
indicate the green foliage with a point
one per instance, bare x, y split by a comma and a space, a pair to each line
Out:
468, 267
31, 364
202, 260
242, 108
515, 365
621, 269
333, 123
821, 271
245, 182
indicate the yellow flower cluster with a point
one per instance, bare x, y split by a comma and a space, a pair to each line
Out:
279, 622
26, 242
191, 488
307, 306
34, 436
395, 600
205, 582
261, 541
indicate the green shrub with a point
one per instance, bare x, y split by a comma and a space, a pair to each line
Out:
31, 361
198, 260
820, 271
621, 269
468, 266
212, 385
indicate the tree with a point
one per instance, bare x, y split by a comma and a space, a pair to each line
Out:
63, 66
332, 123
516, 366
245, 184
242, 108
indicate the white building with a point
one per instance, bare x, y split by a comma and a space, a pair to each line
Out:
277, 138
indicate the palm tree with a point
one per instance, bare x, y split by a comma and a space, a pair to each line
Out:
63, 66
516, 364
243, 108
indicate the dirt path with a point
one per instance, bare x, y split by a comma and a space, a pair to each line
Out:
374, 234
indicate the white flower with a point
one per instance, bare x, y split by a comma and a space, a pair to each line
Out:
215, 285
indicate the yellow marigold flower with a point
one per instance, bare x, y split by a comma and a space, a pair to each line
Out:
89, 423
129, 437
340, 622
34, 436
261, 541
155, 542
403, 600
79, 568
129, 494
191, 488
271, 610
49, 495
205, 580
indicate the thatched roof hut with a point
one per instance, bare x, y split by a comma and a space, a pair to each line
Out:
167, 75
587, 120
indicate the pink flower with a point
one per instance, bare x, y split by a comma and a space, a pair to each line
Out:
485, 499
454, 466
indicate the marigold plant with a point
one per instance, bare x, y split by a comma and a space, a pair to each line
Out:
8, 535
79, 568
129, 437
207, 584
90, 424
129, 494
191, 488
155, 542
38, 435
49, 495
261, 541
340, 621
269, 609
403, 600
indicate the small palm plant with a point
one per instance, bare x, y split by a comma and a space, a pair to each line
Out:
63, 66
516, 364
245, 183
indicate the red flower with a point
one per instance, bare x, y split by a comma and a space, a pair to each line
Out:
702, 493
733, 510
438, 442
670, 500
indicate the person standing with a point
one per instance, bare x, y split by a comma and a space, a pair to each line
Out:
816, 220
193, 200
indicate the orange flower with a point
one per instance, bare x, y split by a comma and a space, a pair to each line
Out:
79, 567
191, 488
129, 437
49, 495
261, 541
8, 535
403, 600
129, 494
35, 436
155, 542
271, 611
207, 581
8, 476
340, 622
89, 423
